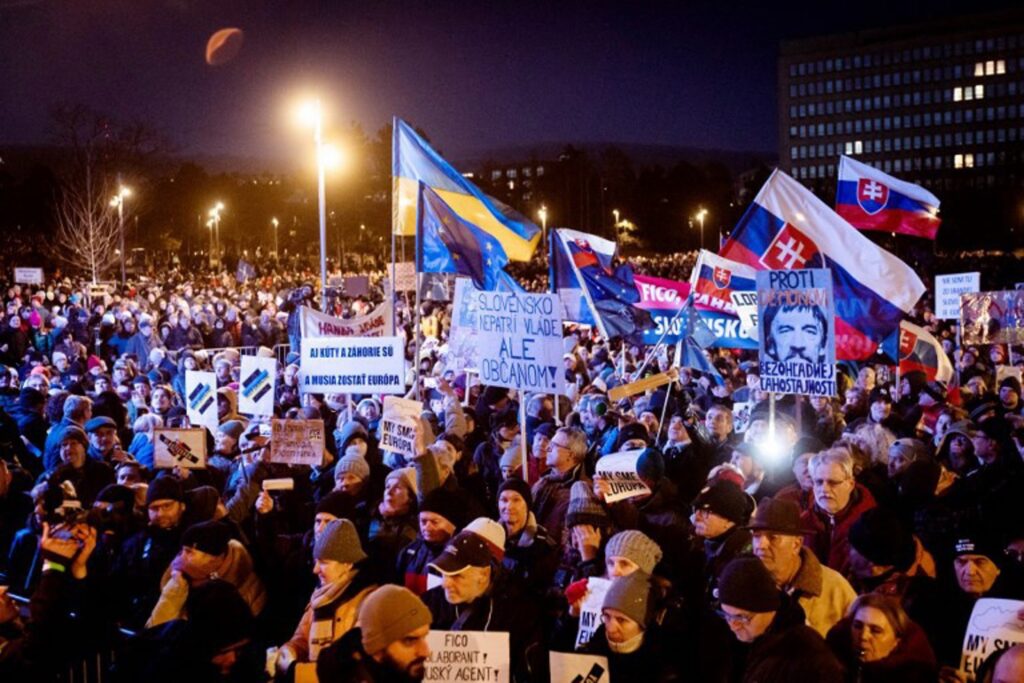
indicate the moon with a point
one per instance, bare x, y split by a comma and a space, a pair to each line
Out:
223, 46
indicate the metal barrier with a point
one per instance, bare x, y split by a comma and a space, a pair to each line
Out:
281, 351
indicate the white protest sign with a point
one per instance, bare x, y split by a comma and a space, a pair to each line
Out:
995, 624
403, 275
297, 442
569, 667
464, 337
590, 609
28, 276
948, 289
619, 470
353, 365
201, 398
797, 337
520, 341
377, 323
184, 448
746, 308
992, 317
256, 391
468, 656
398, 425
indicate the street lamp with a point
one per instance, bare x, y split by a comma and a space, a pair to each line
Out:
118, 201
209, 225
312, 115
701, 215
543, 215
215, 227
275, 223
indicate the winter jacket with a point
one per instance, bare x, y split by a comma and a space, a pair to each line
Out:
531, 556
662, 517
829, 535
551, 499
822, 592
912, 661
412, 562
345, 661
653, 662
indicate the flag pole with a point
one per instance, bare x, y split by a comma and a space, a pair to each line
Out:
668, 391
550, 244
416, 269
522, 436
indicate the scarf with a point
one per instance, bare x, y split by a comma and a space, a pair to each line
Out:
628, 647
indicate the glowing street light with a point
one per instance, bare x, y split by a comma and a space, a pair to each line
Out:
311, 114
214, 225
701, 215
275, 223
118, 201
542, 214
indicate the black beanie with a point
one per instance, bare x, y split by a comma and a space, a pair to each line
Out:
164, 487
209, 537
116, 494
746, 584
519, 486
727, 500
341, 505
218, 617
880, 536
443, 503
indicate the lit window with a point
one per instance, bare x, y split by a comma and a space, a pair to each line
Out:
968, 93
858, 147
990, 68
958, 161
1001, 66
968, 161
979, 91
849, 148
958, 94
979, 69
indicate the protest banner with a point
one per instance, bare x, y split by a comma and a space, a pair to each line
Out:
352, 365
297, 442
948, 289
184, 448
436, 286
256, 390
398, 425
590, 609
377, 323
619, 470
746, 309
28, 276
616, 394
992, 317
403, 275
797, 339
712, 283
663, 299
468, 656
201, 398
356, 285
569, 667
520, 341
463, 339
995, 624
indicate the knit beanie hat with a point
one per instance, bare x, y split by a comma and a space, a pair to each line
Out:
881, 537
209, 537
746, 584
584, 508
629, 595
75, 433
341, 505
519, 486
232, 428
443, 503
1012, 382
636, 546
650, 466
354, 464
512, 457
407, 476
727, 500
388, 614
339, 542
164, 487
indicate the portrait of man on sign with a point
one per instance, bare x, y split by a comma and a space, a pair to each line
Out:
796, 333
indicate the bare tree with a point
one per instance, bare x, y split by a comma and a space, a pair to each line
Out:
88, 232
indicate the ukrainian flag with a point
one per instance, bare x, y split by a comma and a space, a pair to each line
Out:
413, 161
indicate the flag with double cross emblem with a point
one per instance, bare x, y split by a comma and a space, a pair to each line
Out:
872, 200
872, 195
790, 249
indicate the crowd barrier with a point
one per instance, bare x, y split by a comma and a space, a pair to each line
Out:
281, 351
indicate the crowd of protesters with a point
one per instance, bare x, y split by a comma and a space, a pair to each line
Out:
830, 539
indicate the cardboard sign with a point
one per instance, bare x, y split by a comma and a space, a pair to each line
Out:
741, 413
948, 289
520, 341
569, 667
201, 398
377, 323
398, 425
746, 308
590, 609
179, 448
357, 285
992, 317
353, 365
797, 336
994, 625
464, 338
28, 276
468, 656
256, 391
616, 394
619, 469
403, 275
297, 442
663, 299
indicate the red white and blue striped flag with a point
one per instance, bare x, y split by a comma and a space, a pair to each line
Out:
872, 200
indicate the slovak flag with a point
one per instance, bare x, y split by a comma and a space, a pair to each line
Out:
788, 227
871, 200
919, 350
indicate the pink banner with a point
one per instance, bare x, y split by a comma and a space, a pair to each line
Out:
659, 294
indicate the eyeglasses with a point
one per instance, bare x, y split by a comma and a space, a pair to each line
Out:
829, 483
742, 619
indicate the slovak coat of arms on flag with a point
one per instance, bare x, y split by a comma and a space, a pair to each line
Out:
791, 249
872, 196
908, 341
721, 277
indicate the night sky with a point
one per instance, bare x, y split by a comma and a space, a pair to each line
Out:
475, 75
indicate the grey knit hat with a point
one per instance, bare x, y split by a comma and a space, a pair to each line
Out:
629, 595
356, 464
339, 542
636, 546
388, 614
584, 508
